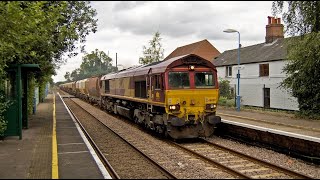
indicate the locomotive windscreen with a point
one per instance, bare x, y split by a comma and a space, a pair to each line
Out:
204, 80
179, 80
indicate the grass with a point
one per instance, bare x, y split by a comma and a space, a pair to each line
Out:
224, 101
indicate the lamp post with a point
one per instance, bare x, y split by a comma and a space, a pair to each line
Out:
238, 75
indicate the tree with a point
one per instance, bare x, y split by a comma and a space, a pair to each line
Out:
94, 64
154, 53
302, 18
67, 76
41, 32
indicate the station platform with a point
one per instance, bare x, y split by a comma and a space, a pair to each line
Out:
52, 147
281, 122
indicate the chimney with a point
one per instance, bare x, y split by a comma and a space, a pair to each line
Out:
274, 29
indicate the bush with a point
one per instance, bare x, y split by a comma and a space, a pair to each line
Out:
3, 125
224, 101
3, 107
224, 88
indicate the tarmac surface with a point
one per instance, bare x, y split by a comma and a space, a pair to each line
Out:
31, 157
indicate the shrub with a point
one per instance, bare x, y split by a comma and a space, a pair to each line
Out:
4, 104
224, 88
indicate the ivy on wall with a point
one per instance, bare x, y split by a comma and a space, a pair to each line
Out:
31, 88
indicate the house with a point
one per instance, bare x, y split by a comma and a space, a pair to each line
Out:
261, 70
202, 48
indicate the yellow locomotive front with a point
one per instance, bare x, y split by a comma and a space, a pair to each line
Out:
192, 94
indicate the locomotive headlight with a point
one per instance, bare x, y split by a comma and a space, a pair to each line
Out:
174, 107
191, 67
211, 106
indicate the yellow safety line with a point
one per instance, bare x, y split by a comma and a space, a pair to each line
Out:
55, 174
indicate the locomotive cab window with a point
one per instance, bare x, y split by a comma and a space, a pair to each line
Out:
179, 80
204, 80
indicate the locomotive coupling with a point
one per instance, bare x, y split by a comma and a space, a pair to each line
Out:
214, 119
175, 121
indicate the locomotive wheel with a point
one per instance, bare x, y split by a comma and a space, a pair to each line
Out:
166, 134
135, 119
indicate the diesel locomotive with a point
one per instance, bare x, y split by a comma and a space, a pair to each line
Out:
177, 97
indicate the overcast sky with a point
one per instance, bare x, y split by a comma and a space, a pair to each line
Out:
124, 27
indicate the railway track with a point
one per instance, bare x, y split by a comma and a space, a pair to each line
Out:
216, 159
126, 160
236, 163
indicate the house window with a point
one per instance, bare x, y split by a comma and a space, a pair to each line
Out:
264, 69
229, 71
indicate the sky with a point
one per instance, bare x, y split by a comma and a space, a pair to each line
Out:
124, 27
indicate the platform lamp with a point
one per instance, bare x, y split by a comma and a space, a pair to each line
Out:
238, 75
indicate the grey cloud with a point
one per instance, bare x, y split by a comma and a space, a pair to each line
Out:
126, 5
172, 21
124, 27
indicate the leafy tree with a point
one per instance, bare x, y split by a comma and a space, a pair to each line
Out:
94, 64
303, 18
41, 32
154, 53
67, 76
